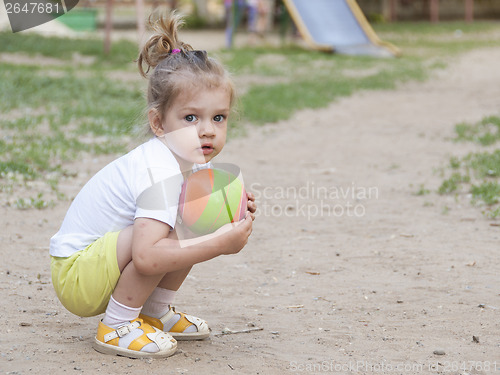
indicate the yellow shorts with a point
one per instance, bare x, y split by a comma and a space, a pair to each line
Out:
85, 281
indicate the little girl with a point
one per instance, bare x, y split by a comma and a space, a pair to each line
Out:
117, 250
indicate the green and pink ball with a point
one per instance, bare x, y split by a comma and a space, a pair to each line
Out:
211, 198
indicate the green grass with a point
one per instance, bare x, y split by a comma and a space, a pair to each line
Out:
488, 192
424, 39
452, 184
484, 165
66, 99
315, 79
422, 190
320, 78
50, 119
477, 174
122, 52
485, 132
33, 202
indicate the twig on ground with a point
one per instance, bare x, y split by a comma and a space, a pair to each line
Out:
227, 331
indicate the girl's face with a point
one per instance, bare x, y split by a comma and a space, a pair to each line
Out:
195, 125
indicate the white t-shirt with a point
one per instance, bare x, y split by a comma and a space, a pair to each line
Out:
146, 182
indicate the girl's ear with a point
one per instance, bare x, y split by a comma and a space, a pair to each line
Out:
155, 122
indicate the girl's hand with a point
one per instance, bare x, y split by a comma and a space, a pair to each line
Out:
235, 235
251, 205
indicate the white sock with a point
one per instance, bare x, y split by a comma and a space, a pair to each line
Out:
118, 315
159, 302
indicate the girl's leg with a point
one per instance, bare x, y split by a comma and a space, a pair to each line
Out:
162, 298
155, 294
133, 288
174, 280
120, 332
131, 279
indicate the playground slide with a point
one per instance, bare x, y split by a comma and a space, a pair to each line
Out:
339, 26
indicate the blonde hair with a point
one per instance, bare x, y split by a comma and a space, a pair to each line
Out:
176, 66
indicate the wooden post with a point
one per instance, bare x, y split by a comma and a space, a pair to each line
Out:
141, 27
469, 10
393, 10
108, 26
434, 10
271, 5
389, 10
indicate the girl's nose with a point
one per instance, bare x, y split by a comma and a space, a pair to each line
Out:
206, 129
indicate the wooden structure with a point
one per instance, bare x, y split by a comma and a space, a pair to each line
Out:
433, 9
140, 14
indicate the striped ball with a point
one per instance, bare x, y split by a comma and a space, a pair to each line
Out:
211, 198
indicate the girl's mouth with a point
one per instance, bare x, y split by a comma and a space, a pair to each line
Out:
207, 149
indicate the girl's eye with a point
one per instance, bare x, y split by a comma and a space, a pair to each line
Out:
190, 118
219, 118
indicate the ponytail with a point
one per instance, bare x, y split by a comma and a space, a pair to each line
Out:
161, 44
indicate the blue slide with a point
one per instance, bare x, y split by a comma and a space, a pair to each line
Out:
339, 26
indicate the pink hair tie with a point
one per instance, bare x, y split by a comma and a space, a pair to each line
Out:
175, 50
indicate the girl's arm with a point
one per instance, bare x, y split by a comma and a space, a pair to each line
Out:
156, 250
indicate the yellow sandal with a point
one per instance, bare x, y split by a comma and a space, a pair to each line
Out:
107, 341
177, 330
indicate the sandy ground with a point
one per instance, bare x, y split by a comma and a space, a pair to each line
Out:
347, 271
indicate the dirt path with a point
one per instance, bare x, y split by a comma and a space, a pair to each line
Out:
348, 271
